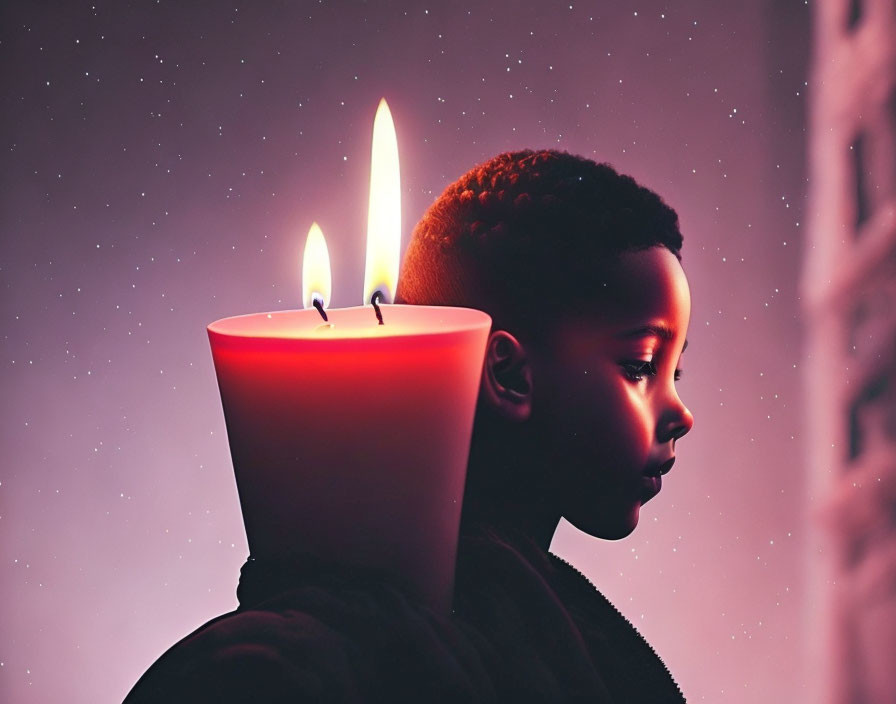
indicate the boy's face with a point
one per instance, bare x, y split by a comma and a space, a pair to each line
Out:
605, 394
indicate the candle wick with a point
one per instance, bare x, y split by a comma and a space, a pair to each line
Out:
320, 308
379, 313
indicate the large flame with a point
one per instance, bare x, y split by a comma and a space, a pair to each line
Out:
316, 282
384, 210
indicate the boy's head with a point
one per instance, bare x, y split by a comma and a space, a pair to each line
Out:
579, 268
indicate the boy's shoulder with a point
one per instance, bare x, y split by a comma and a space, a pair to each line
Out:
542, 609
325, 639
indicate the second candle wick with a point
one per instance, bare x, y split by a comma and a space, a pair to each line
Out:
317, 303
376, 308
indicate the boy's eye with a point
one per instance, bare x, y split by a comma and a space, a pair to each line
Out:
637, 369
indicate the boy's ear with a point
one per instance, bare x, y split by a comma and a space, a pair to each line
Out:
507, 377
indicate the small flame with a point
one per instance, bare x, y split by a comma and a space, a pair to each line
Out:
384, 210
316, 282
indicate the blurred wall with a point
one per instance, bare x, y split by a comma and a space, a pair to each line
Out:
849, 294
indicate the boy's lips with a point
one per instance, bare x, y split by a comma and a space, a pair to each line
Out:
652, 480
660, 469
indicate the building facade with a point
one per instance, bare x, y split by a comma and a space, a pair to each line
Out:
849, 297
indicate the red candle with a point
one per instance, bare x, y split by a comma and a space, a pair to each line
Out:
350, 442
350, 437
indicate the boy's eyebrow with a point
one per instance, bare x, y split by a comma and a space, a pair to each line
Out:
660, 330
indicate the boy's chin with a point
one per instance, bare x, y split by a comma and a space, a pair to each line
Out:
608, 528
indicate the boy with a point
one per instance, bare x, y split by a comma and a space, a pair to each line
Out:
578, 413
577, 417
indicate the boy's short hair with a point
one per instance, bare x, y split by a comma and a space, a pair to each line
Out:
524, 235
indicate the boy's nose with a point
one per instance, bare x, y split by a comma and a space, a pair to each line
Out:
676, 422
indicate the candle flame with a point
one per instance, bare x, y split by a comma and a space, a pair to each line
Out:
316, 282
384, 210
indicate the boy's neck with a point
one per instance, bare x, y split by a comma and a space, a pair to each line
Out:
512, 521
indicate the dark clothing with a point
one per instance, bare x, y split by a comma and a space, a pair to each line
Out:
319, 633
526, 627
559, 638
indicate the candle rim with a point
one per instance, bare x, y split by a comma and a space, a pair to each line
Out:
479, 320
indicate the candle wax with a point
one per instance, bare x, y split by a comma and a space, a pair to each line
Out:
350, 439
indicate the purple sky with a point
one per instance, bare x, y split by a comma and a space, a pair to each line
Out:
162, 167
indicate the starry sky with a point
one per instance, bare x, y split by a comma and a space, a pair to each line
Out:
162, 164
